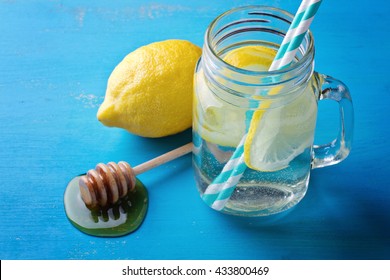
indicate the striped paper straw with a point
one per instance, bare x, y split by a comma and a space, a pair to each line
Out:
219, 191
295, 34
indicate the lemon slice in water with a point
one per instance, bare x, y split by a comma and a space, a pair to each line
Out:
219, 122
253, 58
278, 135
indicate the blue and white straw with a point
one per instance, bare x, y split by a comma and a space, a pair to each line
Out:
219, 191
295, 34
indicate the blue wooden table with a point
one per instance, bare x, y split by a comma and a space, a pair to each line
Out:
55, 59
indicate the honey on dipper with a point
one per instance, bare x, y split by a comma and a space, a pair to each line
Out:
109, 200
106, 184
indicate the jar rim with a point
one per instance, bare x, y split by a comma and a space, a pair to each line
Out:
288, 17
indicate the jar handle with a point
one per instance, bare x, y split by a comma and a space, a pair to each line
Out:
338, 149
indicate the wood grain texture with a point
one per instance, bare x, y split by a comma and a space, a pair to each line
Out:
55, 59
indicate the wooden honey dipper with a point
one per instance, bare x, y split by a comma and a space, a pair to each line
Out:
108, 183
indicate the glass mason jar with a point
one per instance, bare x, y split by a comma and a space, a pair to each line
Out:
253, 129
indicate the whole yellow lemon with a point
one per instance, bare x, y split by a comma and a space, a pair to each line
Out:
149, 93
